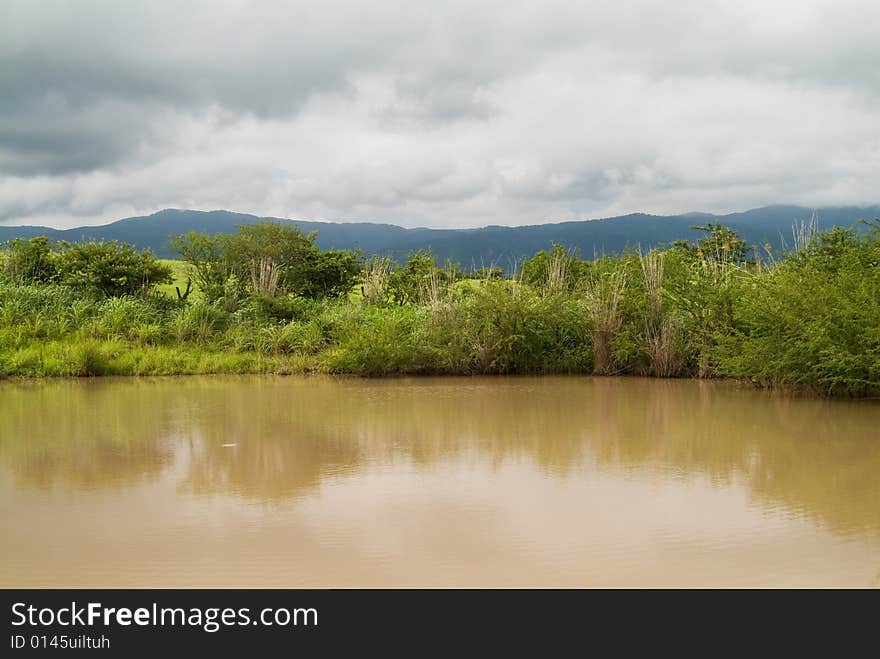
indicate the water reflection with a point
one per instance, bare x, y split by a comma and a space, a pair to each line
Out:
814, 460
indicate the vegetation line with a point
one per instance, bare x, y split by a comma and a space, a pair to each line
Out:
267, 300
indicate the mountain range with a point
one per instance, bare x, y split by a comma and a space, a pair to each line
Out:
490, 245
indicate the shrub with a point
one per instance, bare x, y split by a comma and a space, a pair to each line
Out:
812, 321
109, 269
505, 327
29, 261
379, 341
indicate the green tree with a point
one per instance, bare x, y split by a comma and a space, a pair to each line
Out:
109, 269
332, 273
270, 256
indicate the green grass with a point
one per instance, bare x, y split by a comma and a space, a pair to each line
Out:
89, 358
179, 271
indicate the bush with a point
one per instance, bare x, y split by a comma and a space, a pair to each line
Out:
379, 341
29, 261
812, 321
504, 327
554, 271
327, 274
109, 269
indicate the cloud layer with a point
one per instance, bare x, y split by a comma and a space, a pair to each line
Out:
430, 114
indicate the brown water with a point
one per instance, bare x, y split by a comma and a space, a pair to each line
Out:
434, 482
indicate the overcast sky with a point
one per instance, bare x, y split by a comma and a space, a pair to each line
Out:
441, 114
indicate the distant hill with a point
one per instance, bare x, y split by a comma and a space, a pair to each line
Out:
491, 245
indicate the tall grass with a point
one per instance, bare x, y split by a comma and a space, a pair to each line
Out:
604, 292
376, 274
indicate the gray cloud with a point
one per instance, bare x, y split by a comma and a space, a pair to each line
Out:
453, 114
